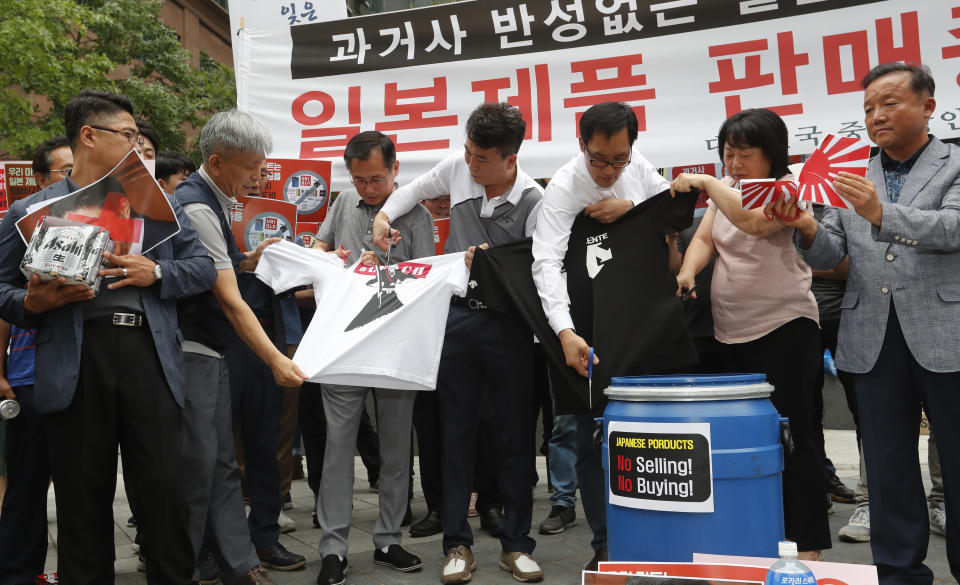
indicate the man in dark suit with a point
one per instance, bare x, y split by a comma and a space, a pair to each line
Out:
109, 369
899, 333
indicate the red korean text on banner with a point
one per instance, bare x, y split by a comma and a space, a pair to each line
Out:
441, 231
256, 219
835, 154
754, 76
839, 49
307, 233
304, 183
523, 99
624, 85
400, 102
327, 141
19, 180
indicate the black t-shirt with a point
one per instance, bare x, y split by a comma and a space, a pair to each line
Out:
697, 312
622, 296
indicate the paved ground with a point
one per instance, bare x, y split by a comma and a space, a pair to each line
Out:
562, 556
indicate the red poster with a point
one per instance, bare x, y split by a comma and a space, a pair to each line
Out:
19, 180
441, 230
307, 233
3, 190
305, 183
257, 218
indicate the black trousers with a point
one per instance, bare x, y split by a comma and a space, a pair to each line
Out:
428, 425
122, 399
790, 357
257, 408
486, 354
829, 328
889, 399
23, 524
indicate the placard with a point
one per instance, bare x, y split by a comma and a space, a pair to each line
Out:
660, 466
20, 182
307, 233
255, 219
441, 231
305, 183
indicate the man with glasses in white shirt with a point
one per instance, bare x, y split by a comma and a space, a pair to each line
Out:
604, 182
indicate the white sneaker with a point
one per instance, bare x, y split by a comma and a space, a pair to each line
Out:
858, 527
286, 523
938, 519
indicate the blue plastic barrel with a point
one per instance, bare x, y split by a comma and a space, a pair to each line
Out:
692, 464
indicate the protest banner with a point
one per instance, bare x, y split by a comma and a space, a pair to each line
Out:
683, 66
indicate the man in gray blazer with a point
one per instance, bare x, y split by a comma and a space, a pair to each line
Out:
109, 370
900, 326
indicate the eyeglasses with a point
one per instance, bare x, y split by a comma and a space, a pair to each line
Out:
132, 136
64, 170
368, 182
602, 164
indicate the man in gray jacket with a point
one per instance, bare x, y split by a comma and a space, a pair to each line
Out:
899, 333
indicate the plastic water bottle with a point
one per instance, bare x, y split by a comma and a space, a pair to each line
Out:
788, 570
828, 365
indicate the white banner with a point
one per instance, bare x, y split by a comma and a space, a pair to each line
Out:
683, 65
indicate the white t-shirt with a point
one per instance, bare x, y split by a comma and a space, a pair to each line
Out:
382, 331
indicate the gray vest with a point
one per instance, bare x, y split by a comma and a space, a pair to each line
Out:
507, 224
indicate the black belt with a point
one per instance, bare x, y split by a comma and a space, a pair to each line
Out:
465, 303
119, 320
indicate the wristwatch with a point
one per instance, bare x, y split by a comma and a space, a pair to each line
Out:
157, 273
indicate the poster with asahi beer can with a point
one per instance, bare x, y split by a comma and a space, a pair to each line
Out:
71, 249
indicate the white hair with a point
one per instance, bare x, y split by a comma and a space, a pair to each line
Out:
233, 131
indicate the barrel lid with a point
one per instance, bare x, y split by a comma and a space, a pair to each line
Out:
691, 387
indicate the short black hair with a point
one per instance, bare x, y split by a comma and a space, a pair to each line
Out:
497, 125
921, 80
90, 105
361, 147
758, 128
41, 156
170, 163
608, 118
147, 131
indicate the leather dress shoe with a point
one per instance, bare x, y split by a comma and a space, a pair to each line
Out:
428, 526
493, 521
255, 576
278, 558
333, 571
